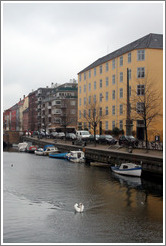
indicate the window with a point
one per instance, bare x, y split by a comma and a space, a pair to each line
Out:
94, 85
80, 89
121, 92
101, 96
113, 64
84, 76
129, 91
79, 114
106, 82
106, 96
84, 113
89, 73
140, 55
79, 101
89, 86
121, 61
106, 125
121, 109
106, 67
84, 88
100, 112
129, 74
113, 124
113, 109
140, 90
84, 100
113, 79
100, 83
140, 72
129, 57
140, 107
95, 71
113, 95
121, 124
89, 113
94, 98
73, 103
121, 77
79, 77
106, 110
89, 99
100, 69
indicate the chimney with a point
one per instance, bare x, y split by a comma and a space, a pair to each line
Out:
24, 97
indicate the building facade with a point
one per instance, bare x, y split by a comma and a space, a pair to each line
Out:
59, 108
105, 82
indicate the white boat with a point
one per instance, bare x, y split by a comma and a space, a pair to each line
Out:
22, 147
39, 151
76, 156
50, 149
130, 169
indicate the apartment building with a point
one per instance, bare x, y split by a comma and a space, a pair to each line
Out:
59, 109
105, 82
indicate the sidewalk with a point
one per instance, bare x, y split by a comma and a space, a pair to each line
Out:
116, 148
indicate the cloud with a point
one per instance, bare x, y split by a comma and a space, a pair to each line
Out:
52, 41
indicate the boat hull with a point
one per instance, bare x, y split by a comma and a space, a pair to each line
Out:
59, 155
130, 172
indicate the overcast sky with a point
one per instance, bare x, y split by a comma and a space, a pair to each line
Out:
46, 42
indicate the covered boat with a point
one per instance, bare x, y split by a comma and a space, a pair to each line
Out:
50, 149
22, 147
130, 169
59, 155
76, 156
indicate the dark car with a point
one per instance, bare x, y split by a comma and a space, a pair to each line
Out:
107, 139
128, 140
91, 139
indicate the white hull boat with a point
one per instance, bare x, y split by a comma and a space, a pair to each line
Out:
130, 169
76, 156
40, 151
22, 147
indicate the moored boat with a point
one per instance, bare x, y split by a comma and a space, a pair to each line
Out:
39, 151
130, 169
76, 156
31, 148
50, 149
58, 155
22, 147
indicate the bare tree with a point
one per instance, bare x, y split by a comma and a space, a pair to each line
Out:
146, 101
93, 114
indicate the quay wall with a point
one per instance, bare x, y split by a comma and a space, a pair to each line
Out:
151, 165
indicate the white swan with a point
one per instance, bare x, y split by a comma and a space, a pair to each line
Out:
79, 207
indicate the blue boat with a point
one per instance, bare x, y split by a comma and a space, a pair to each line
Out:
59, 155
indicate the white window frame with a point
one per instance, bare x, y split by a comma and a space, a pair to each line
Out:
113, 64
121, 61
121, 76
140, 107
140, 90
129, 57
120, 92
101, 83
106, 96
106, 82
113, 79
121, 109
140, 55
113, 109
140, 72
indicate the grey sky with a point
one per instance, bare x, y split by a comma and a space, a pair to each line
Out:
46, 42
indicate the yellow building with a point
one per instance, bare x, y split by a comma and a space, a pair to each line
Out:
105, 82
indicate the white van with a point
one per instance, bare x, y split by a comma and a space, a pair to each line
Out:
82, 135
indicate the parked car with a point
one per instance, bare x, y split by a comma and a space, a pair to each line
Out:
82, 135
128, 140
71, 136
60, 135
91, 138
53, 134
44, 134
108, 139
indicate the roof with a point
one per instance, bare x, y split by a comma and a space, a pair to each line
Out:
151, 41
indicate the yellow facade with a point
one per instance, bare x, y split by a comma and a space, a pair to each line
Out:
153, 65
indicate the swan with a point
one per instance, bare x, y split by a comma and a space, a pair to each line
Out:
79, 207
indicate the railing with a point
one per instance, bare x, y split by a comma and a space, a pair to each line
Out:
151, 145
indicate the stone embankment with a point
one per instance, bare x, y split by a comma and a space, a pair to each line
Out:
152, 161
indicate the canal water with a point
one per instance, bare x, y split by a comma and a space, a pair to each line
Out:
39, 194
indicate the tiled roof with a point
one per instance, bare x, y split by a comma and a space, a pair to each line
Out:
151, 41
